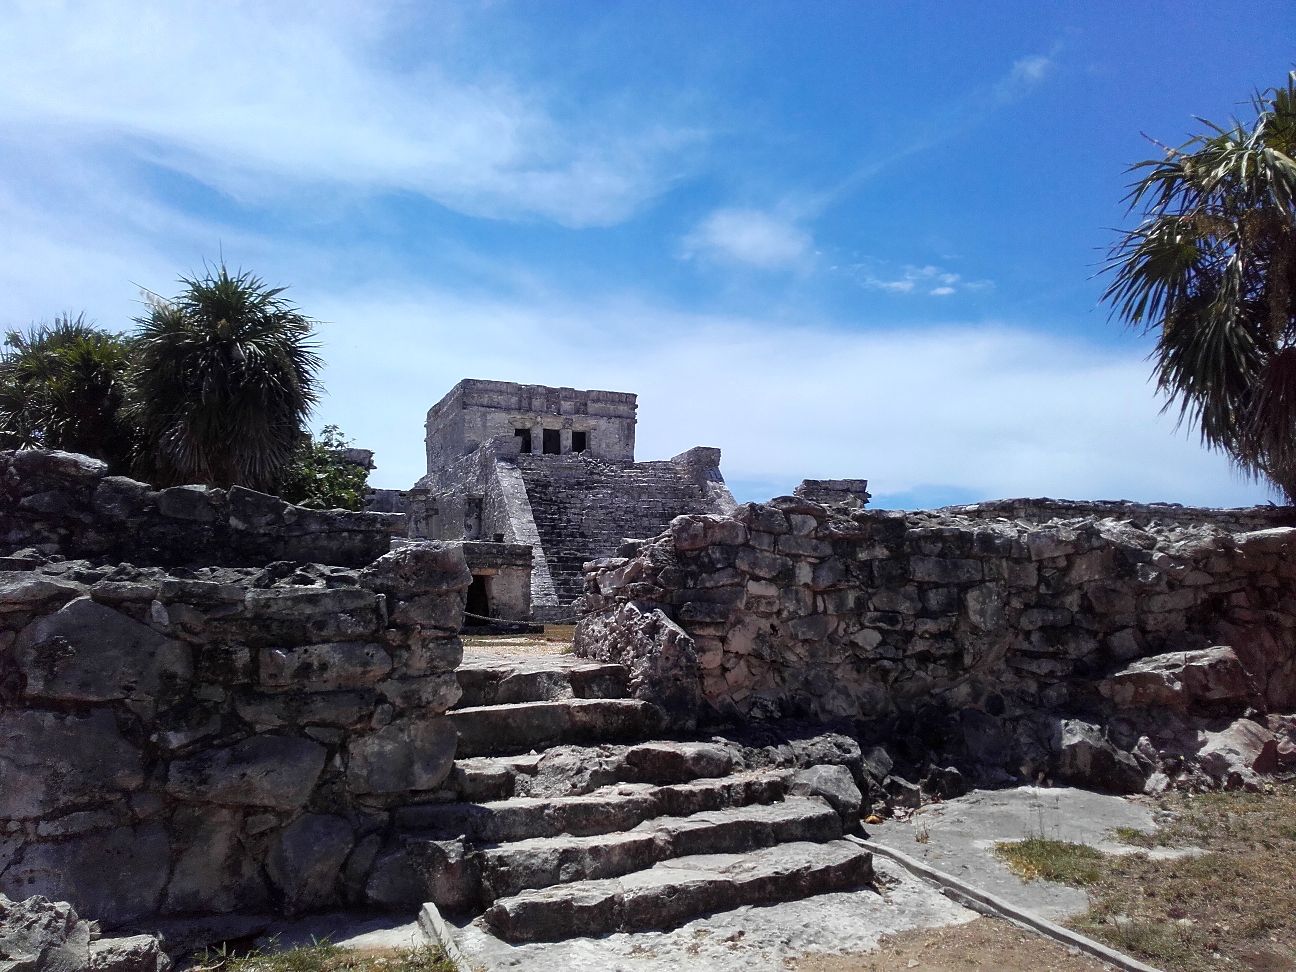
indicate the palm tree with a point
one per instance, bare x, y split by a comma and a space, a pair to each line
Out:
63, 386
1212, 269
226, 377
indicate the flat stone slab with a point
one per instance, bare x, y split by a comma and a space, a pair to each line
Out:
491, 730
491, 679
508, 869
605, 811
678, 890
741, 939
958, 837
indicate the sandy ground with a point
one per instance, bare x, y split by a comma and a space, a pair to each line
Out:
556, 640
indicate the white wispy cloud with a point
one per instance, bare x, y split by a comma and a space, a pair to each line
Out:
749, 236
253, 99
990, 411
928, 279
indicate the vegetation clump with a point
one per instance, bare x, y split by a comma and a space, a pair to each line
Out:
213, 387
1222, 903
327, 957
1211, 269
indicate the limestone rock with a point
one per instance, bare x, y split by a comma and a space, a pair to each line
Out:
86, 652
326, 667
834, 784
408, 755
1180, 680
1088, 759
50, 760
1237, 755
418, 568
306, 860
661, 657
265, 771
213, 871
116, 875
136, 953
39, 935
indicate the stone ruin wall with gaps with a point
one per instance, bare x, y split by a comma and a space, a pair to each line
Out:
222, 739
1005, 639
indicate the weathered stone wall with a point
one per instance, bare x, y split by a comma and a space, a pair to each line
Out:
1151, 516
222, 740
475, 411
505, 569
795, 609
66, 504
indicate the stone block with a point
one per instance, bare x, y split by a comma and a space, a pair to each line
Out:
410, 754
23, 591
441, 611
213, 873
263, 771
135, 953
324, 668
197, 504
39, 935
115, 875
50, 760
427, 567
1181, 679
86, 652
941, 570
306, 859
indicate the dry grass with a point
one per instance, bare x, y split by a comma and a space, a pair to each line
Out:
324, 957
1038, 858
1229, 908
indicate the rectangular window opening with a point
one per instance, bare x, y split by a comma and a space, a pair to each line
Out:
525, 436
580, 441
552, 442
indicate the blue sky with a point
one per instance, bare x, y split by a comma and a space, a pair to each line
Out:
834, 239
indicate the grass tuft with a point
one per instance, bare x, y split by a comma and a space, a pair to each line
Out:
1041, 859
326, 957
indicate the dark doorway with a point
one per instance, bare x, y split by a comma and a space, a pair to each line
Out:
579, 441
552, 442
525, 436
478, 601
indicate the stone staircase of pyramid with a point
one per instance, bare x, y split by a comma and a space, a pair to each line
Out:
571, 812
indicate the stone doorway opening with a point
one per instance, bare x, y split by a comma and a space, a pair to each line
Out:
524, 435
478, 601
580, 441
552, 442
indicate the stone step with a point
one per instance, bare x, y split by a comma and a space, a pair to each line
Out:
675, 891
574, 770
604, 811
536, 680
541, 862
494, 730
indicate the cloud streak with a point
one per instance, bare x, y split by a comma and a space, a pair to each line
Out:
751, 237
225, 94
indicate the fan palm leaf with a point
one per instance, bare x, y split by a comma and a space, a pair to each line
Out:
225, 381
1211, 268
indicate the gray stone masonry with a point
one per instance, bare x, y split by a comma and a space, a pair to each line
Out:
475, 411
501, 580
1007, 635
571, 506
64, 504
220, 740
